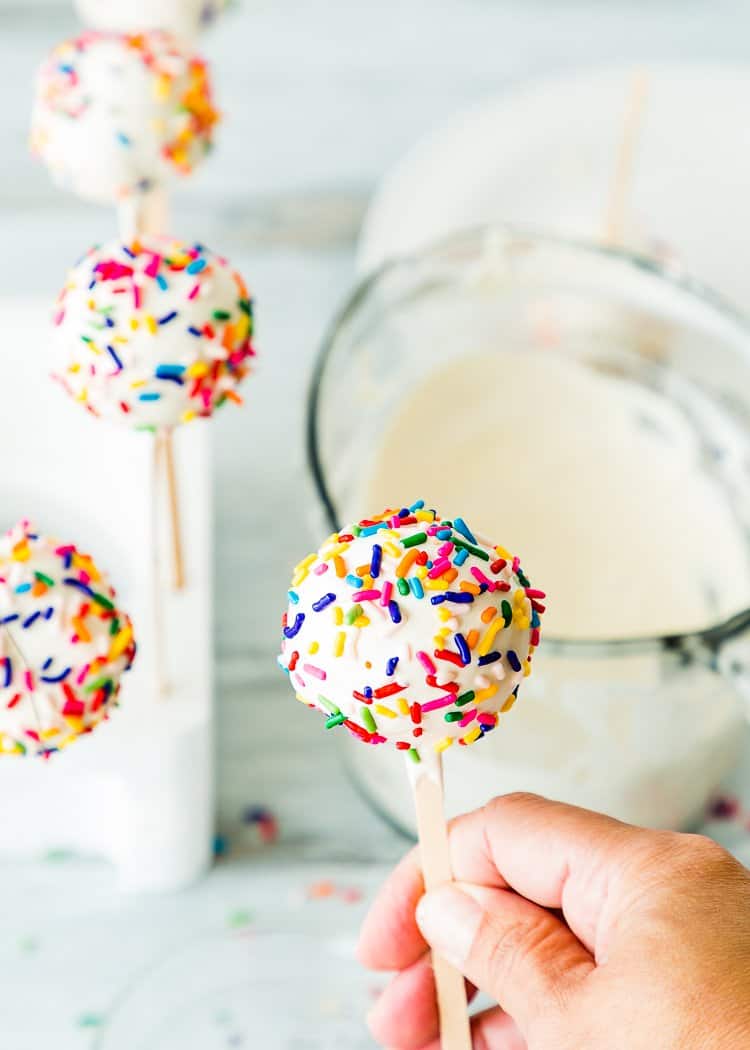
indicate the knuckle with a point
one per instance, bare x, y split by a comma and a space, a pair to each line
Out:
521, 951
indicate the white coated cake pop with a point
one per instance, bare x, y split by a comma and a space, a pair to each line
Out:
184, 18
64, 644
116, 114
408, 629
154, 333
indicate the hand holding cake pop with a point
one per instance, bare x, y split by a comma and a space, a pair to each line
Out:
64, 644
409, 630
154, 333
116, 114
183, 18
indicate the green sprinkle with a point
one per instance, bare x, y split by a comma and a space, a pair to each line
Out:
454, 716
415, 540
246, 307
523, 579
221, 315
100, 683
356, 530
104, 602
369, 721
507, 612
403, 587
414, 756
354, 614
465, 698
114, 627
329, 705
90, 1021
476, 551
335, 720
45, 579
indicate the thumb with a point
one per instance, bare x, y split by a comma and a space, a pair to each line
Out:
513, 950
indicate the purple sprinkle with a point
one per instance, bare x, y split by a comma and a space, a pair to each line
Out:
490, 658
395, 612
291, 632
463, 648
390, 667
459, 597
324, 602
377, 556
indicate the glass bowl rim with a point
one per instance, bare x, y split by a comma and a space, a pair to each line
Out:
710, 638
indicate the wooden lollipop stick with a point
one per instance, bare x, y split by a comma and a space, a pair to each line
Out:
622, 180
178, 563
146, 213
455, 1029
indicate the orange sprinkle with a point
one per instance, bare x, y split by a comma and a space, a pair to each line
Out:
339, 566
489, 614
472, 638
469, 588
406, 562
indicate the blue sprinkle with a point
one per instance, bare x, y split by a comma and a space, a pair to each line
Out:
109, 322
47, 663
354, 581
404, 512
390, 667
377, 557
490, 658
170, 372
30, 620
463, 647
513, 660
53, 679
68, 559
290, 632
195, 331
535, 621
8, 619
70, 581
50, 612
437, 599
443, 534
168, 317
460, 597
394, 610
372, 529
196, 266
162, 281
419, 505
460, 526
123, 138
8, 672
416, 587
128, 251
368, 692
22, 588
293, 597
324, 602
115, 358
149, 397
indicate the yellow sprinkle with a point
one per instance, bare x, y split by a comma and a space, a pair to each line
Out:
188, 416
151, 324
473, 734
137, 383
436, 585
334, 551
402, 705
303, 701
305, 563
385, 711
81, 629
444, 614
526, 668
338, 645
424, 515
519, 597
485, 694
392, 549
508, 703
121, 642
75, 723
338, 615
299, 577
313, 648
489, 636
49, 734
444, 744
367, 581
198, 370
134, 324
504, 554
21, 552
362, 621
421, 571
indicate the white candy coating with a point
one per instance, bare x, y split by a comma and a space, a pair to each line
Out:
184, 18
115, 115
424, 669
64, 643
153, 334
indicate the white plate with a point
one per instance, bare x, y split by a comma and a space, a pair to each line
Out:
544, 156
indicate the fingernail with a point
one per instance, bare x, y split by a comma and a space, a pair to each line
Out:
449, 921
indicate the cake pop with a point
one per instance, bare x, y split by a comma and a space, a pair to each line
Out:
115, 113
64, 644
184, 18
407, 629
154, 333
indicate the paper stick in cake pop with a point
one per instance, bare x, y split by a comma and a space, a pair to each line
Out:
622, 181
183, 18
412, 632
153, 334
118, 114
70, 644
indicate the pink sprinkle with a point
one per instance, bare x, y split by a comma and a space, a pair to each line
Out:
446, 549
193, 293
387, 592
82, 676
433, 530
153, 267
531, 592
481, 578
365, 596
486, 718
316, 672
28, 679
320, 569
468, 717
59, 317
441, 565
516, 564
426, 662
435, 705
137, 296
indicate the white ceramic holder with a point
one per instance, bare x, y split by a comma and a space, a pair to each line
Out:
138, 791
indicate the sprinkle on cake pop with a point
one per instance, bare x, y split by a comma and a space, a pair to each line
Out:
153, 334
410, 630
183, 18
64, 644
115, 114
